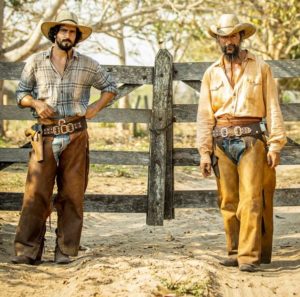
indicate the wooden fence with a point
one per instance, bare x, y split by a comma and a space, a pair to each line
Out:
161, 199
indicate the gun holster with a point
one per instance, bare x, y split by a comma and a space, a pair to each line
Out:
36, 137
215, 165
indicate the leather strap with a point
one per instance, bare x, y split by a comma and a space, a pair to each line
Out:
236, 121
238, 131
64, 127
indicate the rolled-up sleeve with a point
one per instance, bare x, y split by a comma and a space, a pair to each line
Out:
205, 120
27, 82
275, 125
104, 82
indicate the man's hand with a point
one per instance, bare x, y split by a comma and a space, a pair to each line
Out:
205, 169
273, 159
43, 109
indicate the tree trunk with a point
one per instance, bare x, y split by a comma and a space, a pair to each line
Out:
1, 57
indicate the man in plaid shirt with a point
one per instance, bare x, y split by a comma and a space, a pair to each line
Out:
56, 85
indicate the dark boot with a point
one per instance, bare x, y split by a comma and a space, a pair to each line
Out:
59, 257
229, 262
22, 260
248, 267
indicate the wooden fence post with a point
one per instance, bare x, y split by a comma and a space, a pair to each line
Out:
160, 122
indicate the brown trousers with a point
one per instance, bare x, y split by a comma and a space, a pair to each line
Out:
71, 176
246, 202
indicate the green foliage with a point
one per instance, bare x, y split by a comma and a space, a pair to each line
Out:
186, 287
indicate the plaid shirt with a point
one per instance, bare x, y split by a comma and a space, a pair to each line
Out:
68, 94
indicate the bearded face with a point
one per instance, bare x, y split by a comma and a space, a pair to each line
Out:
231, 51
65, 38
230, 45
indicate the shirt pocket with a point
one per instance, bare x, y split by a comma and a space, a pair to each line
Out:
44, 91
253, 87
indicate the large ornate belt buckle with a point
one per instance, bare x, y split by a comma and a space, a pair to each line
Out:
237, 131
61, 122
68, 128
224, 132
56, 130
63, 128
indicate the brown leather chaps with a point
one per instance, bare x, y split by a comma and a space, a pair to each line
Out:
71, 176
246, 202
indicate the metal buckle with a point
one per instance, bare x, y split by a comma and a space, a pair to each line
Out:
61, 122
237, 131
247, 130
224, 132
56, 130
71, 127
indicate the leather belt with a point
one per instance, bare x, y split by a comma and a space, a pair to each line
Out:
237, 131
64, 127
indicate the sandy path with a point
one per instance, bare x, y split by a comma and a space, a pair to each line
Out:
122, 256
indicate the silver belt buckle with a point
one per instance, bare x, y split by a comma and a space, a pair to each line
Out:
56, 130
224, 132
61, 122
237, 130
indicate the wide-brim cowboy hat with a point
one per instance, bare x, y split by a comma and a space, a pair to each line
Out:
229, 24
66, 18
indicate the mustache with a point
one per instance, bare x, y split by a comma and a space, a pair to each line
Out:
231, 45
64, 40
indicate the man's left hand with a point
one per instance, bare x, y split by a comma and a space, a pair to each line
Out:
273, 159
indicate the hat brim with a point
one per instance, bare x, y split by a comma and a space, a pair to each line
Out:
249, 30
85, 31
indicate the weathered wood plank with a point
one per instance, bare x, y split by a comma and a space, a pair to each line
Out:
196, 85
208, 198
158, 146
124, 90
144, 75
181, 156
92, 202
290, 155
138, 203
183, 113
7, 164
169, 190
116, 203
21, 155
187, 113
195, 71
121, 74
108, 115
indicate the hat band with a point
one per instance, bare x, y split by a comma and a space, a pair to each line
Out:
68, 20
220, 28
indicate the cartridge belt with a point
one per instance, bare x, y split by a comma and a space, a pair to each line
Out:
65, 127
237, 130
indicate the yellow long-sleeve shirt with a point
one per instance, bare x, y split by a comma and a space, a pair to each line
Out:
254, 95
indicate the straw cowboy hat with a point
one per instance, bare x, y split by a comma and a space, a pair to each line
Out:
66, 18
229, 24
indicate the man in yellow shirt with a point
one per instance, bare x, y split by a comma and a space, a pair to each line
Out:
238, 95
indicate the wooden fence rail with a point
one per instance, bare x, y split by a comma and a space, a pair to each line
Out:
161, 199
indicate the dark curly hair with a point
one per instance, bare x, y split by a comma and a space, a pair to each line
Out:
54, 30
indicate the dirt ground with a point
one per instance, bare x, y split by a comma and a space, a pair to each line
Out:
121, 256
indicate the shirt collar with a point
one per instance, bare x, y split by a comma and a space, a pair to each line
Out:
48, 53
220, 61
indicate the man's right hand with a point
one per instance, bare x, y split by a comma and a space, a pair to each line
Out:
43, 109
205, 169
